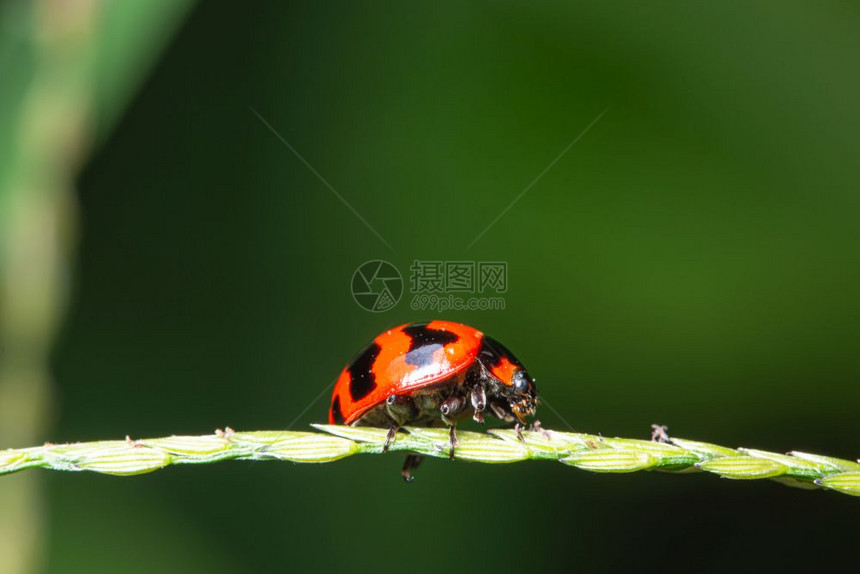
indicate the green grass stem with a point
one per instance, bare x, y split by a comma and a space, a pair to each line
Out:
584, 451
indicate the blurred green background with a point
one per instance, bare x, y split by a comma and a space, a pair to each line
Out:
693, 260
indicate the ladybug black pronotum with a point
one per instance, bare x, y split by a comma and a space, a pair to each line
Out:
426, 373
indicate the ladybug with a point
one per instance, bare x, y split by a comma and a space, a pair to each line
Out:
431, 373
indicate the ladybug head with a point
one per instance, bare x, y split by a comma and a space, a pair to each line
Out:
513, 390
523, 398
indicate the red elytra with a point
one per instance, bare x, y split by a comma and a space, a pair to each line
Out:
401, 360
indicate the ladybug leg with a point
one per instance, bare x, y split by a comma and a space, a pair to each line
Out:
452, 439
399, 408
519, 428
478, 398
499, 412
389, 438
450, 407
411, 463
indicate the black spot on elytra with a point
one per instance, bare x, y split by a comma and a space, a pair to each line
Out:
492, 353
361, 378
336, 413
425, 342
